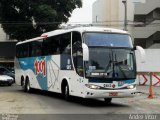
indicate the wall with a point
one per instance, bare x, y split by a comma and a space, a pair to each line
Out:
152, 64
147, 7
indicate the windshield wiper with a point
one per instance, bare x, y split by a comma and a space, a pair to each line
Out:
120, 67
113, 62
109, 64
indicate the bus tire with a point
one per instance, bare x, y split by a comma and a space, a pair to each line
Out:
23, 84
66, 92
27, 86
107, 100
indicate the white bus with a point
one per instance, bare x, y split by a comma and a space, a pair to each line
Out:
87, 62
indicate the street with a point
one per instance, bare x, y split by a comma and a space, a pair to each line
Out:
14, 101
16, 104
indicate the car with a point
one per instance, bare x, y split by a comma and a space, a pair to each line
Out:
5, 71
6, 80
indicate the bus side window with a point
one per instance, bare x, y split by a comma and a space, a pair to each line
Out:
18, 51
65, 42
22, 50
51, 45
25, 50
77, 52
65, 50
35, 48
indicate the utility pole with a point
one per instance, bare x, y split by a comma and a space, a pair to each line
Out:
125, 14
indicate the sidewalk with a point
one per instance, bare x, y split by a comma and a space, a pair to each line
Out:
145, 90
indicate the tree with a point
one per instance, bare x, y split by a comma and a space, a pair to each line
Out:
24, 19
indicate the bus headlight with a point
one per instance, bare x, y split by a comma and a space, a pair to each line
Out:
131, 86
91, 86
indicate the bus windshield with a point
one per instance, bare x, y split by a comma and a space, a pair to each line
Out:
108, 39
115, 61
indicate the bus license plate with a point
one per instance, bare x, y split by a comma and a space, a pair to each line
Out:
107, 85
113, 94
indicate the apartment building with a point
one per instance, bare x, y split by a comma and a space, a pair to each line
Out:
147, 32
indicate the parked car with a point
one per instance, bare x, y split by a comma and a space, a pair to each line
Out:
6, 80
5, 71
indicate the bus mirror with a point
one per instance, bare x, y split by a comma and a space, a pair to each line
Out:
142, 53
85, 52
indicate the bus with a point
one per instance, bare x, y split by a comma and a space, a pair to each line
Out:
87, 62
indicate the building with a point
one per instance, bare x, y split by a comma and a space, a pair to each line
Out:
111, 13
7, 53
147, 33
143, 19
7, 49
3, 36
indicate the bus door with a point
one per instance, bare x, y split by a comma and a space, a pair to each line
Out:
77, 55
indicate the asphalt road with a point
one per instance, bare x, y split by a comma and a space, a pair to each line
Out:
40, 105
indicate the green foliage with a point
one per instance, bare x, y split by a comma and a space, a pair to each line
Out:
24, 19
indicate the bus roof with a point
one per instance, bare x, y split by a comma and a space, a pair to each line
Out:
84, 29
34, 39
78, 29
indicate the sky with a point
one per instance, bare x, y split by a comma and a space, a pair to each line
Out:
84, 14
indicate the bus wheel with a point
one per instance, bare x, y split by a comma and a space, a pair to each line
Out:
108, 100
66, 93
23, 84
27, 86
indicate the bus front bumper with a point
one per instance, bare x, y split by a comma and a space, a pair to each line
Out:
91, 93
